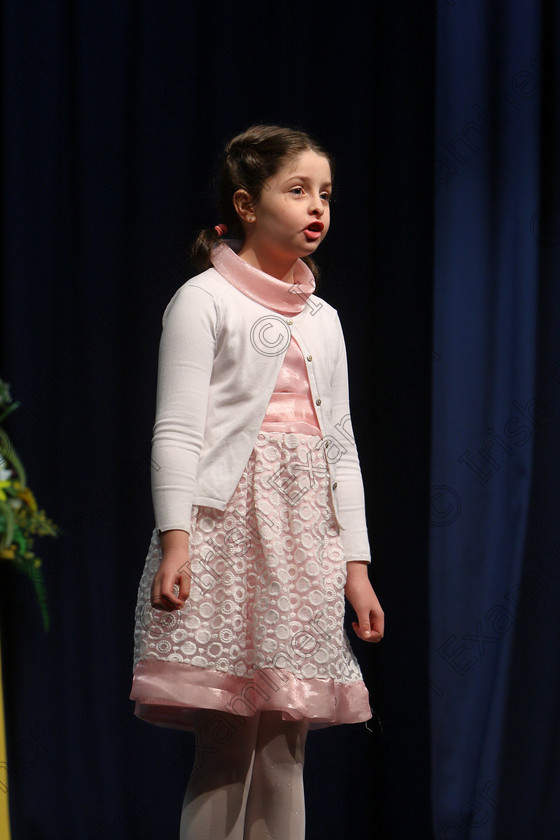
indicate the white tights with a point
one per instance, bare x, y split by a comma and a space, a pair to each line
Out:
247, 780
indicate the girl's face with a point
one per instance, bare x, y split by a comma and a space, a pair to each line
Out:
292, 215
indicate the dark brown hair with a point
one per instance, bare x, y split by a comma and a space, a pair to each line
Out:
248, 161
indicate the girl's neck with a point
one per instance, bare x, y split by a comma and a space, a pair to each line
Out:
281, 269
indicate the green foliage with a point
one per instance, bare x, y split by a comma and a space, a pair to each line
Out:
20, 517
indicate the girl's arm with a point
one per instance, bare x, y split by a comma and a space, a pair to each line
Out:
186, 357
350, 489
351, 505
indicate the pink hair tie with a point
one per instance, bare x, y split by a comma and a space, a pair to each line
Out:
220, 229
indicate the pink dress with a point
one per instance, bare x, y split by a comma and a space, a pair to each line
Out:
263, 625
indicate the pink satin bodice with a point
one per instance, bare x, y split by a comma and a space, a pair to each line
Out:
291, 408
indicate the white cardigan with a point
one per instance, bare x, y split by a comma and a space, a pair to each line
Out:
219, 358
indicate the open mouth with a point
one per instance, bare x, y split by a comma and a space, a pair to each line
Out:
314, 230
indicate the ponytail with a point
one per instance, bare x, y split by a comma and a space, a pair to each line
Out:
202, 248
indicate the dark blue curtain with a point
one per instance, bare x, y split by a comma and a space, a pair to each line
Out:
495, 544
114, 114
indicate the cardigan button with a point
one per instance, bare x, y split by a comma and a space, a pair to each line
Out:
335, 485
317, 402
289, 322
310, 358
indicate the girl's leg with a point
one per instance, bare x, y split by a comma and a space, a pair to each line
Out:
275, 806
214, 804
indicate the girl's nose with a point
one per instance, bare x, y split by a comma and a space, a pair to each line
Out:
316, 206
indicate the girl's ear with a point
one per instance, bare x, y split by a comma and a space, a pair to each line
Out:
243, 204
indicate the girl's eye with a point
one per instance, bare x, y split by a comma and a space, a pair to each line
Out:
326, 196
297, 190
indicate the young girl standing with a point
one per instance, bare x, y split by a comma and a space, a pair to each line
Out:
258, 499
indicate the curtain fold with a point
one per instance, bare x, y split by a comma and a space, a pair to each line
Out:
493, 409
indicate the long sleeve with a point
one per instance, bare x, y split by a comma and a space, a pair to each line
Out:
342, 451
186, 355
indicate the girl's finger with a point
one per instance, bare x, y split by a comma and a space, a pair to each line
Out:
369, 635
361, 632
172, 601
166, 600
184, 587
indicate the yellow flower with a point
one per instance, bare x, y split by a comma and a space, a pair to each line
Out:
3, 496
28, 497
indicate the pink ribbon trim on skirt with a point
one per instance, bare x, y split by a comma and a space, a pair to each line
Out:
170, 693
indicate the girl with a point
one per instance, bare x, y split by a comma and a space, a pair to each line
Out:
258, 500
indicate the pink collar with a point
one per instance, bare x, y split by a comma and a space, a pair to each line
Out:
286, 298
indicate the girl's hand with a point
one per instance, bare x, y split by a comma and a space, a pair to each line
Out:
359, 592
174, 570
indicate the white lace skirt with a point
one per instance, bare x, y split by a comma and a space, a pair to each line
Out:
263, 625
